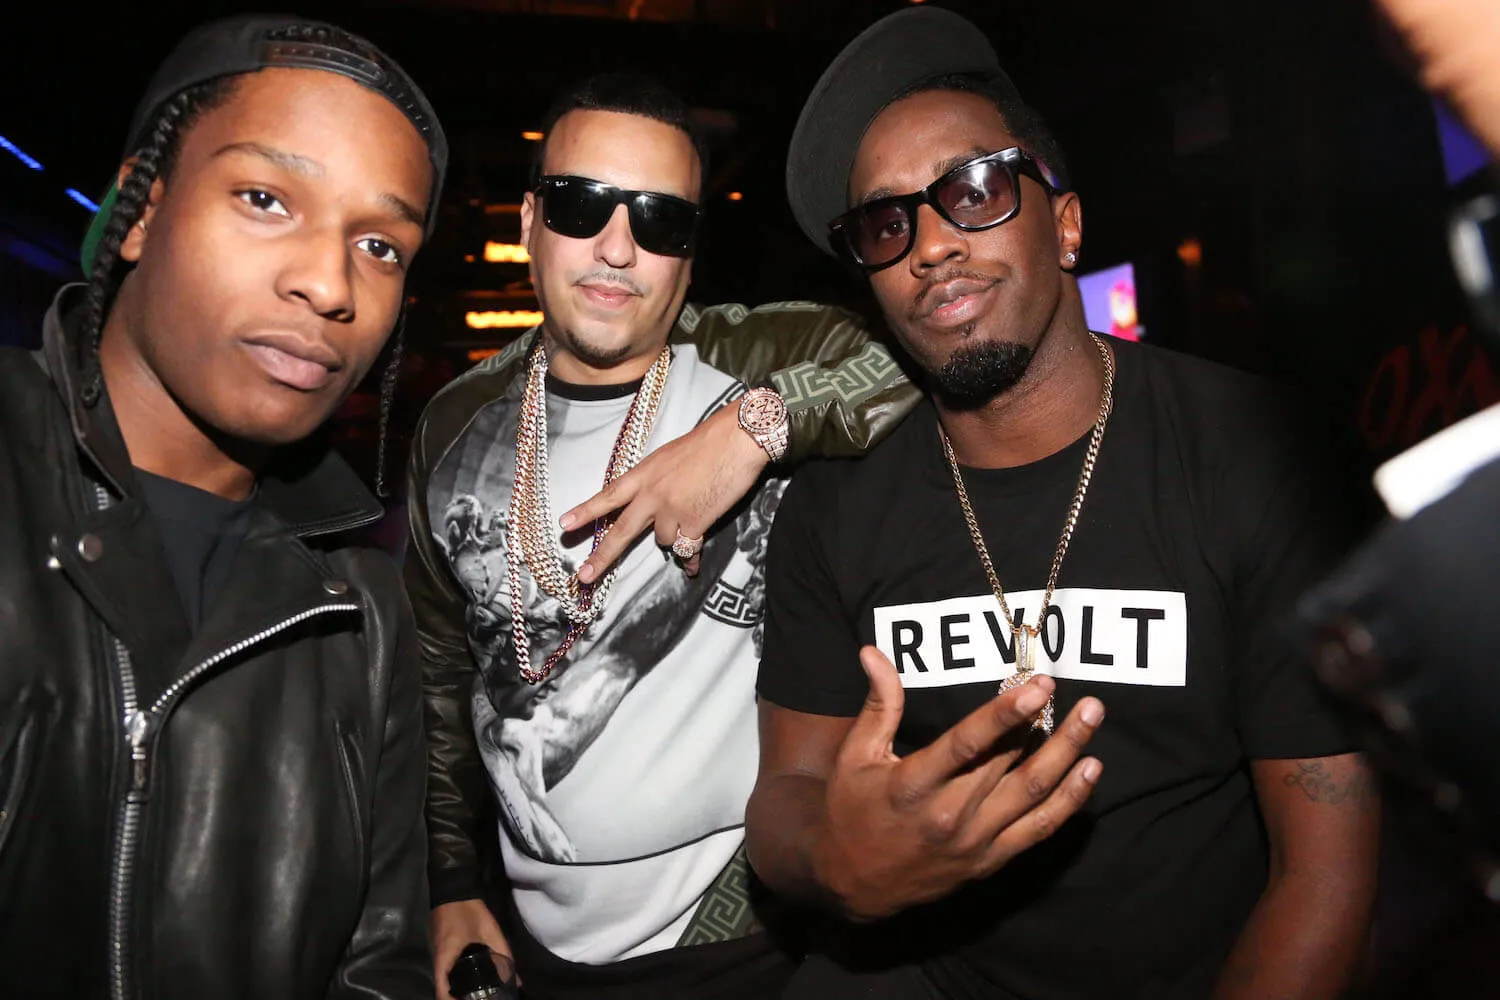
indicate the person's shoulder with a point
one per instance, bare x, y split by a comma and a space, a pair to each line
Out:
1201, 378
24, 382
452, 407
888, 463
697, 316
1225, 406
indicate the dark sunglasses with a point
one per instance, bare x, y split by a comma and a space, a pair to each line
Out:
580, 208
977, 195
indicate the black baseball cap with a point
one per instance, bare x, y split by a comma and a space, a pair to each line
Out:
246, 43
892, 55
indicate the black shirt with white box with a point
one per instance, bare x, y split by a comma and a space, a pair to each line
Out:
1208, 514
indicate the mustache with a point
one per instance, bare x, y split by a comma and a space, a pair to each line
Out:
611, 276
921, 309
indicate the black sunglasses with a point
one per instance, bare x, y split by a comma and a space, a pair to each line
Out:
977, 195
579, 207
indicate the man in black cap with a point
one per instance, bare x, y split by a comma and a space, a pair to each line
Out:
211, 748
1072, 520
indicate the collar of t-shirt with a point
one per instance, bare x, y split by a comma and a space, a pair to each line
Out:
578, 393
201, 533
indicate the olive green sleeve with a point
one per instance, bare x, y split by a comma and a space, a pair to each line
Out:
844, 390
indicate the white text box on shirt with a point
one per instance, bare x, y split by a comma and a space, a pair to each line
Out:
1109, 636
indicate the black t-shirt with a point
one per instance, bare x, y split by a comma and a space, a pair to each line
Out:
1206, 517
201, 532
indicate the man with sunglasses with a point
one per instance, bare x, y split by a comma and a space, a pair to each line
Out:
1070, 522
612, 718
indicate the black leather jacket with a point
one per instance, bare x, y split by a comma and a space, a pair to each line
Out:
247, 825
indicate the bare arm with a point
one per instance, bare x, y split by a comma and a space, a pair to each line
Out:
787, 812
1304, 938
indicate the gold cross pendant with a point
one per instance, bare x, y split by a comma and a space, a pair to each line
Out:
1026, 640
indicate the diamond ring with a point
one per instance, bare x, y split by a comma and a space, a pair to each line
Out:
685, 548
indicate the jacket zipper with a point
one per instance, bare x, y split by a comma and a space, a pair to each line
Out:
140, 726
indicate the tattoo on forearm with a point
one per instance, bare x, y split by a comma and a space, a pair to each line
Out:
1321, 784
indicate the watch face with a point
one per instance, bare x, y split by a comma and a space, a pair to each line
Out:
762, 412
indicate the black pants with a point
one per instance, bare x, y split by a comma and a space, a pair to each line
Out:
749, 968
821, 978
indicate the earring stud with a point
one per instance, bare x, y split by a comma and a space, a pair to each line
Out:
1070, 257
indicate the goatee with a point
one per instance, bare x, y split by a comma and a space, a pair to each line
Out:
974, 375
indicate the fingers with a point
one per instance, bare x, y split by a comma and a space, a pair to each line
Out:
1045, 818
1030, 791
870, 738
633, 522
444, 955
974, 736
608, 500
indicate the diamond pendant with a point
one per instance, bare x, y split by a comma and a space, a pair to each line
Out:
1026, 640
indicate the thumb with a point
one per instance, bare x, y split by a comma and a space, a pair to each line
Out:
874, 730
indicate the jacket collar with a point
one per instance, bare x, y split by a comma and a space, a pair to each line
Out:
307, 485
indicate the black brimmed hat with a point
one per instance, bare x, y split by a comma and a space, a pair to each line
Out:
886, 59
250, 42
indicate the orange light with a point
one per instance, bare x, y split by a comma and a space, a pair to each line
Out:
1190, 252
468, 258
479, 354
736, 196
533, 136
502, 319
505, 253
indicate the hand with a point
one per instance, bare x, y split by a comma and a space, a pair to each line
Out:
455, 926
1455, 42
902, 831
685, 485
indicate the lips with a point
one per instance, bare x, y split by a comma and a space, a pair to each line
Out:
293, 360
954, 302
608, 296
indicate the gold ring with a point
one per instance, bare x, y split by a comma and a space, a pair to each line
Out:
685, 548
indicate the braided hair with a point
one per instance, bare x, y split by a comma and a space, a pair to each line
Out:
155, 159
389, 380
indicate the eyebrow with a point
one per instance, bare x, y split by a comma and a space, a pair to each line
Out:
290, 162
403, 208
307, 167
951, 163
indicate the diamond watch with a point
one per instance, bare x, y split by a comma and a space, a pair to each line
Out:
763, 417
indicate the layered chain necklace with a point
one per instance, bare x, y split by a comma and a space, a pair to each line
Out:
534, 540
1025, 638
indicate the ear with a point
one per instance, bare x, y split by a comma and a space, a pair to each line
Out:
528, 213
134, 243
1067, 211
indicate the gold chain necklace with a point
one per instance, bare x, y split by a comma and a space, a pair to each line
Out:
1025, 638
533, 538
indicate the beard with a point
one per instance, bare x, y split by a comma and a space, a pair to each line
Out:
974, 375
593, 355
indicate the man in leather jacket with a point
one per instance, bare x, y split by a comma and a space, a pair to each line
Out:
211, 750
621, 776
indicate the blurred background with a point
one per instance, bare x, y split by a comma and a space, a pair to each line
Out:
1262, 181
1263, 184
